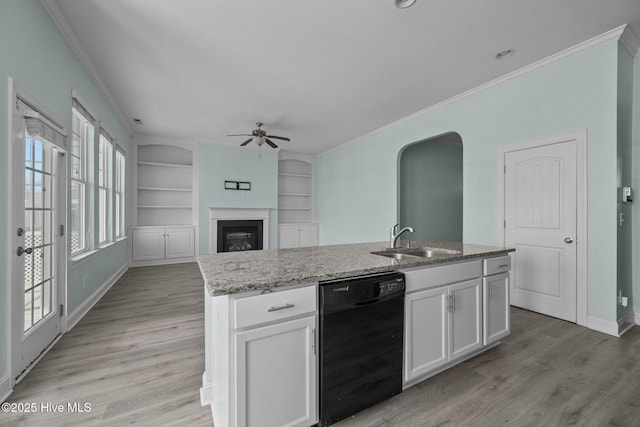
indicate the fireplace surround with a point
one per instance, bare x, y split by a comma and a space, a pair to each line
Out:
221, 216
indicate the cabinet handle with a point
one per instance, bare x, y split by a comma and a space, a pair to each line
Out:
453, 302
282, 307
313, 340
503, 265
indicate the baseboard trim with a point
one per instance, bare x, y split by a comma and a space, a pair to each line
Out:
161, 262
88, 304
626, 323
601, 325
5, 388
206, 391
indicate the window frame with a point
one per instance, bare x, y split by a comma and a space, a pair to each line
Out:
83, 133
119, 193
105, 189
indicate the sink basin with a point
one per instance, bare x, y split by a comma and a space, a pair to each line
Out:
413, 253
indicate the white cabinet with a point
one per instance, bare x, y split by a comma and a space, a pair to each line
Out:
162, 243
265, 359
275, 373
442, 324
466, 318
496, 307
297, 235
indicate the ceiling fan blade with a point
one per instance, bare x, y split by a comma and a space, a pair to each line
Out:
246, 142
240, 134
278, 137
270, 143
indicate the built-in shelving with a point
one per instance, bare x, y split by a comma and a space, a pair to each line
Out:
295, 191
165, 185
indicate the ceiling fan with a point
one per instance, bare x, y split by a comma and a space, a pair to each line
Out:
260, 137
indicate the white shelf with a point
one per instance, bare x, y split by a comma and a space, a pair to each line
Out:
295, 209
170, 165
164, 189
294, 194
296, 175
164, 207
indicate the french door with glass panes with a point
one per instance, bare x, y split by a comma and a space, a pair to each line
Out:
38, 269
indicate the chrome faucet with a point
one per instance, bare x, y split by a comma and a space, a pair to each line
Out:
394, 234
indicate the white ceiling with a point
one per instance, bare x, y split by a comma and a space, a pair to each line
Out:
322, 72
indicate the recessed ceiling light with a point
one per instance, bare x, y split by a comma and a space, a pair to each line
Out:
137, 121
505, 54
403, 4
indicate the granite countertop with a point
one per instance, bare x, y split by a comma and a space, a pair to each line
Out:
235, 272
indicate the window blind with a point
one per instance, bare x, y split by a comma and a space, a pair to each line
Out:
75, 103
40, 125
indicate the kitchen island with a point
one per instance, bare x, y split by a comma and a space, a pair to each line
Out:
261, 319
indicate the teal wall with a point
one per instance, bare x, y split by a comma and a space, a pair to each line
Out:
570, 96
624, 178
431, 196
220, 163
34, 53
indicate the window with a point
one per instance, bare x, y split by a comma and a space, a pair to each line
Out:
105, 185
81, 135
119, 192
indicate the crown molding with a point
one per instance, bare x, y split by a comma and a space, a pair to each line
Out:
592, 43
630, 41
60, 20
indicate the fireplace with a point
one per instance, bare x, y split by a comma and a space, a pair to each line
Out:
239, 216
239, 235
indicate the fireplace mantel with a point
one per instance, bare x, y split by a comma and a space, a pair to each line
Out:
222, 214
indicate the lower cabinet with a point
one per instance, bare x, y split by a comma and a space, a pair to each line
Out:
275, 374
297, 235
264, 360
162, 243
442, 324
496, 307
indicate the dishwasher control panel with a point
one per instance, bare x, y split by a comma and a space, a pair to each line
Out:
393, 286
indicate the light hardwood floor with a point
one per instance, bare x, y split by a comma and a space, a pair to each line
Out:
138, 358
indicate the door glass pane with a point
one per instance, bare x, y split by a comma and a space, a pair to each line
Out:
28, 228
46, 298
38, 157
38, 225
37, 304
46, 263
28, 188
37, 266
38, 190
47, 193
47, 234
27, 310
77, 222
28, 152
28, 271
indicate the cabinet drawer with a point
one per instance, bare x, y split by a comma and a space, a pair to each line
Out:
258, 309
430, 277
496, 265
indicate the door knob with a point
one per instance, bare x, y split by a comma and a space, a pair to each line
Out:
21, 251
568, 240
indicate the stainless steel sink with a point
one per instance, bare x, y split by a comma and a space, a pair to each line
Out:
413, 253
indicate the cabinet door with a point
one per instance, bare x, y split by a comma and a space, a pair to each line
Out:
147, 244
179, 242
466, 318
276, 375
496, 307
288, 236
308, 235
426, 332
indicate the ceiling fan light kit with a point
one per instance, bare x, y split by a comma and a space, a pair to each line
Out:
259, 136
403, 4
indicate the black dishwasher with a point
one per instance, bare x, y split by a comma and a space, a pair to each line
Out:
361, 336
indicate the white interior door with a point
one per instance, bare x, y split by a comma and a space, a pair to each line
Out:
540, 222
38, 197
